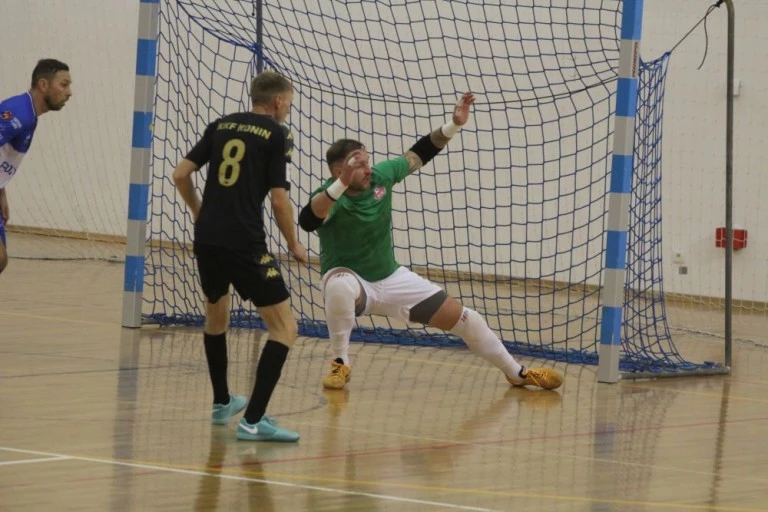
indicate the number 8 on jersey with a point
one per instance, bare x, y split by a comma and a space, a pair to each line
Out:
229, 169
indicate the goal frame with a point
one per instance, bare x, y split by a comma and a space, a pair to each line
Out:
619, 196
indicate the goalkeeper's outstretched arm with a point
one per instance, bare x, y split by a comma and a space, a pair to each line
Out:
427, 147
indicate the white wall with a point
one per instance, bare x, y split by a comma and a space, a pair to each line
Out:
694, 143
76, 175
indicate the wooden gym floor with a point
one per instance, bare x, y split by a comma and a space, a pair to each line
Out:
95, 417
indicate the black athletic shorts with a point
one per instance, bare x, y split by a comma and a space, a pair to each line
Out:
256, 276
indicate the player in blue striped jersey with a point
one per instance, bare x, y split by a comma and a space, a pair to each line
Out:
51, 88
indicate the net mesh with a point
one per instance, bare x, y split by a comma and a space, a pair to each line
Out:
510, 218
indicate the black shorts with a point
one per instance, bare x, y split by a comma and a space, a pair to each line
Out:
256, 276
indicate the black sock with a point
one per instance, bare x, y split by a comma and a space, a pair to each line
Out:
267, 374
216, 355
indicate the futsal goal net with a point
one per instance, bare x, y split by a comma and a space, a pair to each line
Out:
511, 218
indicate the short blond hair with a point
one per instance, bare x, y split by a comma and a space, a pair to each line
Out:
268, 84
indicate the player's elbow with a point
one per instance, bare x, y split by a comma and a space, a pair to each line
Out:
183, 171
308, 221
280, 202
179, 176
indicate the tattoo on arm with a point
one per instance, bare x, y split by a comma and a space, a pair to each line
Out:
414, 162
438, 139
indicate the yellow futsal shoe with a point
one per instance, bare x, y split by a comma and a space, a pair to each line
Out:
338, 376
547, 378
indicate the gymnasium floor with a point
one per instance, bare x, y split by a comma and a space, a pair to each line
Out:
96, 417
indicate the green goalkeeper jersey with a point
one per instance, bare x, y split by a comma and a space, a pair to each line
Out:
357, 233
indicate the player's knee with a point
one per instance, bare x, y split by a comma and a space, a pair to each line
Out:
292, 331
3, 262
289, 329
285, 331
424, 311
341, 291
217, 317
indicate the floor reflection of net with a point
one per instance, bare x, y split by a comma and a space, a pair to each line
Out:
439, 419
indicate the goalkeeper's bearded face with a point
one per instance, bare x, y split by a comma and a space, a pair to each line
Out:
360, 161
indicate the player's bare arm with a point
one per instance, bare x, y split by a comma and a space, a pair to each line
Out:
4, 210
428, 147
182, 177
283, 210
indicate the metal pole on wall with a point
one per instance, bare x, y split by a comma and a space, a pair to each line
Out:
729, 190
141, 158
259, 36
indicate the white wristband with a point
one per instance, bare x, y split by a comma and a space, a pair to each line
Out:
336, 189
450, 129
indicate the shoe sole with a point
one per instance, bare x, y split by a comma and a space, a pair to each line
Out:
530, 382
249, 437
542, 385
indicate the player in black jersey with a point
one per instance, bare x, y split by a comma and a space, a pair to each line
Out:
247, 155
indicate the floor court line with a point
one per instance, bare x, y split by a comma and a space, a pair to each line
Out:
717, 396
57, 355
510, 494
82, 372
386, 497
31, 461
502, 445
59, 319
436, 443
90, 322
495, 443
